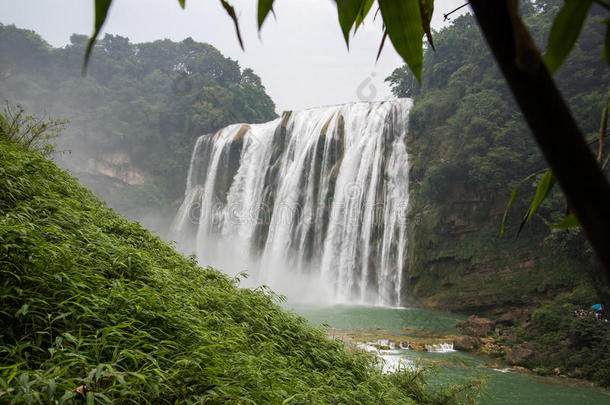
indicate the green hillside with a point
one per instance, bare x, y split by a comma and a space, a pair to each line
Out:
90, 299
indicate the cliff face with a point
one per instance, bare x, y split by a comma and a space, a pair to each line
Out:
468, 148
119, 166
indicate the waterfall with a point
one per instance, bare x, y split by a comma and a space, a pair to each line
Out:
312, 204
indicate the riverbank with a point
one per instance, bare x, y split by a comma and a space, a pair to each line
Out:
386, 332
552, 339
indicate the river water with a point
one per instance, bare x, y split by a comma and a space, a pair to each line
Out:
503, 385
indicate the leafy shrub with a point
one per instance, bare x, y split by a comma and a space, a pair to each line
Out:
32, 132
546, 320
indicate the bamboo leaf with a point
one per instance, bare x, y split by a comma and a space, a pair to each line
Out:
23, 311
264, 7
348, 12
542, 191
606, 162
404, 26
510, 203
568, 222
364, 10
231, 12
565, 31
512, 199
101, 12
383, 38
427, 8
98, 371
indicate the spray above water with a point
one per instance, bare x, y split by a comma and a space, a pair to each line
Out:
312, 204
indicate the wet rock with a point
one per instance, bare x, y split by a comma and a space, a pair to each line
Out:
519, 353
466, 343
475, 326
505, 320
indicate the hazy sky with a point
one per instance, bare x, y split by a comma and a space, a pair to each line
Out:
301, 57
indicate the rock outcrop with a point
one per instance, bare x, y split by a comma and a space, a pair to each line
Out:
520, 353
466, 343
475, 326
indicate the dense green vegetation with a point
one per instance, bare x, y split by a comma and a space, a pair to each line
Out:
149, 101
562, 342
93, 307
469, 147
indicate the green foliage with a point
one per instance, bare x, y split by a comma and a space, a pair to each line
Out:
546, 320
404, 26
101, 11
149, 101
569, 222
511, 200
414, 382
264, 7
565, 31
577, 346
470, 148
90, 299
545, 185
348, 12
405, 23
403, 82
28, 130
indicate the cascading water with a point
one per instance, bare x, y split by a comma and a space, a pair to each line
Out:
313, 203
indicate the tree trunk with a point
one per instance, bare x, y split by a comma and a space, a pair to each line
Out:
550, 121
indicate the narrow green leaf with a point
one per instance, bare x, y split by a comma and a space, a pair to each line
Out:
182, 3
565, 31
567, 223
90, 398
512, 198
606, 162
542, 191
98, 371
383, 38
264, 7
23, 310
231, 12
348, 11
427, 8
289, 399
101, 12
66, 397
510, 203
405, 29
364, 11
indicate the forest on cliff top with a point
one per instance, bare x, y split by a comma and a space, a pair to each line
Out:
149, 101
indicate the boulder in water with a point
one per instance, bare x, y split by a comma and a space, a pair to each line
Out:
466, 343
475, 326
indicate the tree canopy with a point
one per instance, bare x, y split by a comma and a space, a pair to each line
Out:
150, 100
